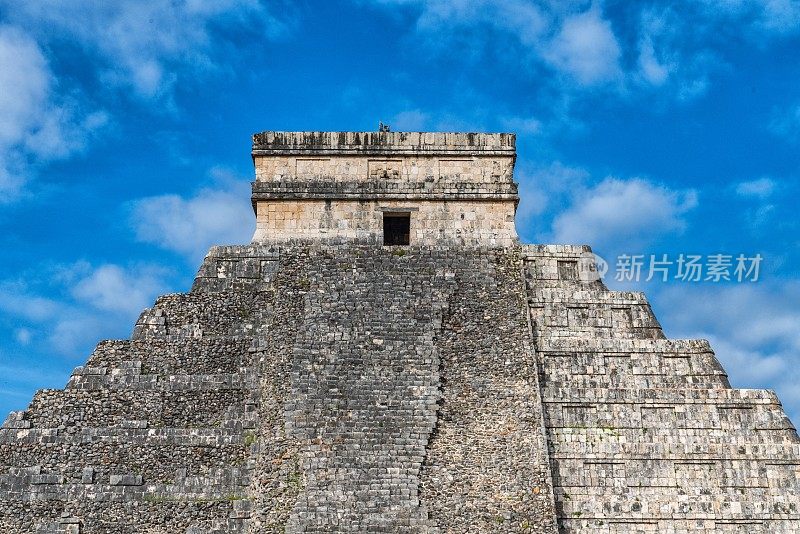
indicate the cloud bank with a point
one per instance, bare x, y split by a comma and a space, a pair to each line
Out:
190, 225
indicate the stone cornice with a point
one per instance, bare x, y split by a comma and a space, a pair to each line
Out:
384, 190
383, 143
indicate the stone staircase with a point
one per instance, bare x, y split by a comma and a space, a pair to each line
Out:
364, 392
403, 398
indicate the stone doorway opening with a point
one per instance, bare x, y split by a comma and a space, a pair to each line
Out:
396, 228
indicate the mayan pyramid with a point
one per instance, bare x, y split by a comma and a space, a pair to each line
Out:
386, 357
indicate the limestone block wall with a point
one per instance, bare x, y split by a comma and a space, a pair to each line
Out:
439, 172
456, 222
449, 143
645, 433
153, 434
336, 186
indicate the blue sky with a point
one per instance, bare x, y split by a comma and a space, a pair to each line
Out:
643, 128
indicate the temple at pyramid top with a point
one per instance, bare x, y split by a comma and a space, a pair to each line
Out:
386, 188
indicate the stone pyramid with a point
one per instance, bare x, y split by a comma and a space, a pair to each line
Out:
386, 357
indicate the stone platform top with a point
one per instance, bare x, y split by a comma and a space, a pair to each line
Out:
367, 143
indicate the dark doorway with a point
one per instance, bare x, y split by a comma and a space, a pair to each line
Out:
396, 228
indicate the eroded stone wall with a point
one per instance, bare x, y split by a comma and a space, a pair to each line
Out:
402, 170
459, 223
487, 466
645, 433
298, 389
412, 389
154, 434
384, 430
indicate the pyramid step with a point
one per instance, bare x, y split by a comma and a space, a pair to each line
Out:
622, 380
207, 483
686, 471
236, 268
631, 370
733, 414
576, 344
660, 396
604, 525
123, 516
365, 387
168, 406
155, 453
181, 316
181, 356
604, 438
694, 498
131, 378
592, 313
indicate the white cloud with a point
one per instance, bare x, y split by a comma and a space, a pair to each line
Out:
655, 72
142, 43
650, 47
139, 46
35, 124
586, 48
780, 16
567, 36
106, 300
90, 302
412, 120
25, 82
760, 212
15, 300
625, 213
75, 333
111, 288
761, 188
548, 187
758, 18
525, 20
23, 336
189, 226
673, 54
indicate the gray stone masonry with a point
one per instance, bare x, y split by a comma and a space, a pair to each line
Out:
377, 143
414, 389
645, 433
300, 389
338, 187
369, 430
